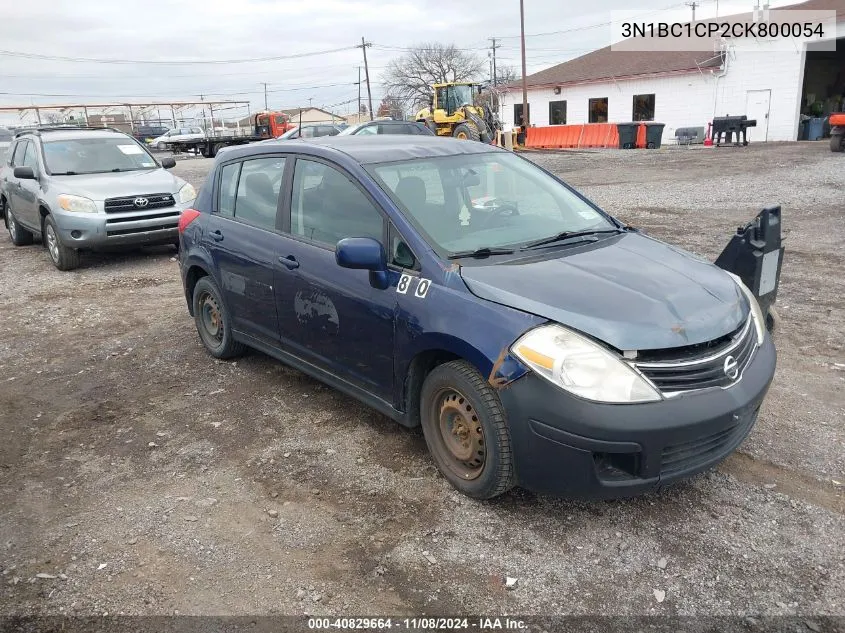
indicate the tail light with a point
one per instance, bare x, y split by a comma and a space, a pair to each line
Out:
186, 217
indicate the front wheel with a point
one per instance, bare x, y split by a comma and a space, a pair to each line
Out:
19, 235
63, 257
837, 143
466, 430
466, 132
213, 321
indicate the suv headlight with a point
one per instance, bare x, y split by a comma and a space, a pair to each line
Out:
756, 312
77, 204
186, 194
581, 367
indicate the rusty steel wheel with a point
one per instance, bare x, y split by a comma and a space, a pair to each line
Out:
461, 434
466, 430
212, 321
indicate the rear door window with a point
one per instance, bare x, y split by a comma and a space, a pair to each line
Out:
257, 199
228, 188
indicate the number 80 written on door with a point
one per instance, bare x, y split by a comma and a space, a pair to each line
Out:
421, 289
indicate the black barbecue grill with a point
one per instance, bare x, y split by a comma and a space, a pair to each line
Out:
728, 126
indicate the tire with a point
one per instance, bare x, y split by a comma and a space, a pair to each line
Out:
837, 143
19, 235
215, 149
63, 257
478, 462
466, 132
213, 322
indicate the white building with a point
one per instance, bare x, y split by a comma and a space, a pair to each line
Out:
687, 89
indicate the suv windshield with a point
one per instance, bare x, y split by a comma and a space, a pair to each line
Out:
485, 201
95, 155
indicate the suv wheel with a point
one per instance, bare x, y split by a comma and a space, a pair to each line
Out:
213, 322
466, 430
63, 257
20, 236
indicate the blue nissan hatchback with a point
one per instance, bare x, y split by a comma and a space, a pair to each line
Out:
537, 340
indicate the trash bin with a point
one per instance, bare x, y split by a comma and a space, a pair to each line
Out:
627, 135
653, 134
815, 129
803, 129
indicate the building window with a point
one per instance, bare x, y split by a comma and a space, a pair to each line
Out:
643, 108
598, 110
517, 113
557, 112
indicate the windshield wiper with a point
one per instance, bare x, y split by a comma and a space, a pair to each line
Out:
63, 173
566, 235
484, 251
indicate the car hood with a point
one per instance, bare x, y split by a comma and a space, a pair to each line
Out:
629, 291
113, 185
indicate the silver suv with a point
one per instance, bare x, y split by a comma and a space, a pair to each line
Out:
88, 188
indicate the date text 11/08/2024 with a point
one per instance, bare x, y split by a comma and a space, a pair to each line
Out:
419, 624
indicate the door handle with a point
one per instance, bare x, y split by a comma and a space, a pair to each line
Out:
217, 235
289, 261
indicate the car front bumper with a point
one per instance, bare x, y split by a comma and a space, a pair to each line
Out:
571, 447
105, 230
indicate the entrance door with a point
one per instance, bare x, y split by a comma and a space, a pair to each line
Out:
757, 108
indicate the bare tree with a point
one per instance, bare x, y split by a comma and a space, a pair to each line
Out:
411, 76
392, 107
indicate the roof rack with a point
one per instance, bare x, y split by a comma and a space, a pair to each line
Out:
37, 129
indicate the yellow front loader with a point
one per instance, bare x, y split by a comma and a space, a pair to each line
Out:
452, 112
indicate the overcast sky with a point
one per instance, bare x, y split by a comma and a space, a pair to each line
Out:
214, 30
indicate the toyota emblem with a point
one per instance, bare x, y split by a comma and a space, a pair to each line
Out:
731, 367
141, 202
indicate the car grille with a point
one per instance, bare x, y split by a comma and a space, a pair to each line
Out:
701, 451
707, 369
127, 203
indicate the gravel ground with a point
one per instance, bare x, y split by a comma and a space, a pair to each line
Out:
139, 476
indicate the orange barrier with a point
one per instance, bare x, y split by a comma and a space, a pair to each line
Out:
837, 119
641, 142
588, 135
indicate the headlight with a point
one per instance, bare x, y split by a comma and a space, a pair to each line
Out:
186, 194
581, 367
77, 204
756, 312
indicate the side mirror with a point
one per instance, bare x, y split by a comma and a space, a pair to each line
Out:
168, 162
363, 253
24, 173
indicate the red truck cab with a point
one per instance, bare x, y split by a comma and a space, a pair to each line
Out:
271, 124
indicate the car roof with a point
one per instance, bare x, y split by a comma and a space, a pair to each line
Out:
369, 149
69, 134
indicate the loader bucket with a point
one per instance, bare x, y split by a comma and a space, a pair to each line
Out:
755, 255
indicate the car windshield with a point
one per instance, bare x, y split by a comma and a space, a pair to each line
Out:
492, 200
95, 155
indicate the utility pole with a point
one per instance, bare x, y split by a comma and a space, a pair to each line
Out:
524, 73
358, 113
265, 94
693, 5
364, 46
494, 47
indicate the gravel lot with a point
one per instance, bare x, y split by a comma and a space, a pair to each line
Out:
143, 477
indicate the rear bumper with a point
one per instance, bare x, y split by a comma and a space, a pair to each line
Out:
574, 448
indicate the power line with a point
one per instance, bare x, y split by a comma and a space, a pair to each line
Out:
169, 62
207, 92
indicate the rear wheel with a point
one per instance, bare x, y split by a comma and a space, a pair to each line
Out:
63, 257
19, 235
213, 321
466, 132
837, 143
466, 430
